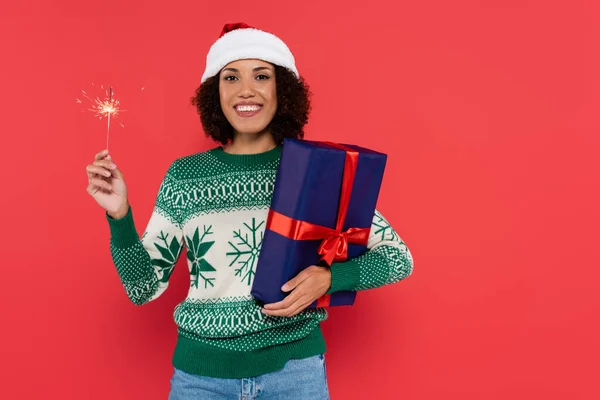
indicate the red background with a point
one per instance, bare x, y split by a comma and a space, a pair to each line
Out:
487, 109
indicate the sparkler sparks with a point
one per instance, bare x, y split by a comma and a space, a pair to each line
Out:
104, 108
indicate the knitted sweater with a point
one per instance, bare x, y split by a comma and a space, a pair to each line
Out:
215, 204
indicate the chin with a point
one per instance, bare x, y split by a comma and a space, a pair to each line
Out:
249, 130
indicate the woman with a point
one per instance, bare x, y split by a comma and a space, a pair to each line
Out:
215, 203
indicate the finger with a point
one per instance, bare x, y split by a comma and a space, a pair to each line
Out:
108, 164
117, 173
285, 303
101, 183
95, 170
277, 313
101, 155
293, 283
286, 312
111, 166
290, 311
301, 304
298, 309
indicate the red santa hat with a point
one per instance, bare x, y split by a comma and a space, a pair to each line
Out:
241, 41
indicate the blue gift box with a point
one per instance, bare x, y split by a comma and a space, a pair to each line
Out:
308, 188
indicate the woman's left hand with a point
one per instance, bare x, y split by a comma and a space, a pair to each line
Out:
306, 287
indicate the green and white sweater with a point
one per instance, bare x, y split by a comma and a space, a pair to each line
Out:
215, 204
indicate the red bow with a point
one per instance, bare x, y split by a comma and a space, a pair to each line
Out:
335, 245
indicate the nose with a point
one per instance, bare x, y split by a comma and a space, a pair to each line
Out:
247, 89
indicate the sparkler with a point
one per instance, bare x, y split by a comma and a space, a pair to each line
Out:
104, 108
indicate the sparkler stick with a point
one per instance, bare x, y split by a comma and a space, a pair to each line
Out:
108, 127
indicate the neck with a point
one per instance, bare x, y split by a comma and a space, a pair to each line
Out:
250, 143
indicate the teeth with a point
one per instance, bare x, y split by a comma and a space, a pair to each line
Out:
248, 108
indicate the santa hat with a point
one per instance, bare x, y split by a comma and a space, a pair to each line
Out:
240, 41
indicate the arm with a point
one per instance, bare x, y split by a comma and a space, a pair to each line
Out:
387, 260
145, 265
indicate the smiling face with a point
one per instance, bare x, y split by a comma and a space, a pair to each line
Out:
248, 95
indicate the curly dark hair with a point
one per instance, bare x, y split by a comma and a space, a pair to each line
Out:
293, 108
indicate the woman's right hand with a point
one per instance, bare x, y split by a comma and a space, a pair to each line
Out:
106, 185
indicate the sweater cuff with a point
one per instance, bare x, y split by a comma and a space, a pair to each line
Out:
122, 230
344, 276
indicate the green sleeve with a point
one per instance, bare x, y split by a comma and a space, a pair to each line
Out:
144, 265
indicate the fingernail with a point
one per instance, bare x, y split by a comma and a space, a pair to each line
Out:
107, 173
113, 165
284, 288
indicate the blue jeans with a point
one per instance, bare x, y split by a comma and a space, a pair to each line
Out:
299, 379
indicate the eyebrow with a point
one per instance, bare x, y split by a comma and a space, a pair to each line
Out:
254, 69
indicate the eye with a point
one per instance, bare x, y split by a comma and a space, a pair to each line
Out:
264, 76
229, 76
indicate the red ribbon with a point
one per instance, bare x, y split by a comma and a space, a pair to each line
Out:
334, 247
